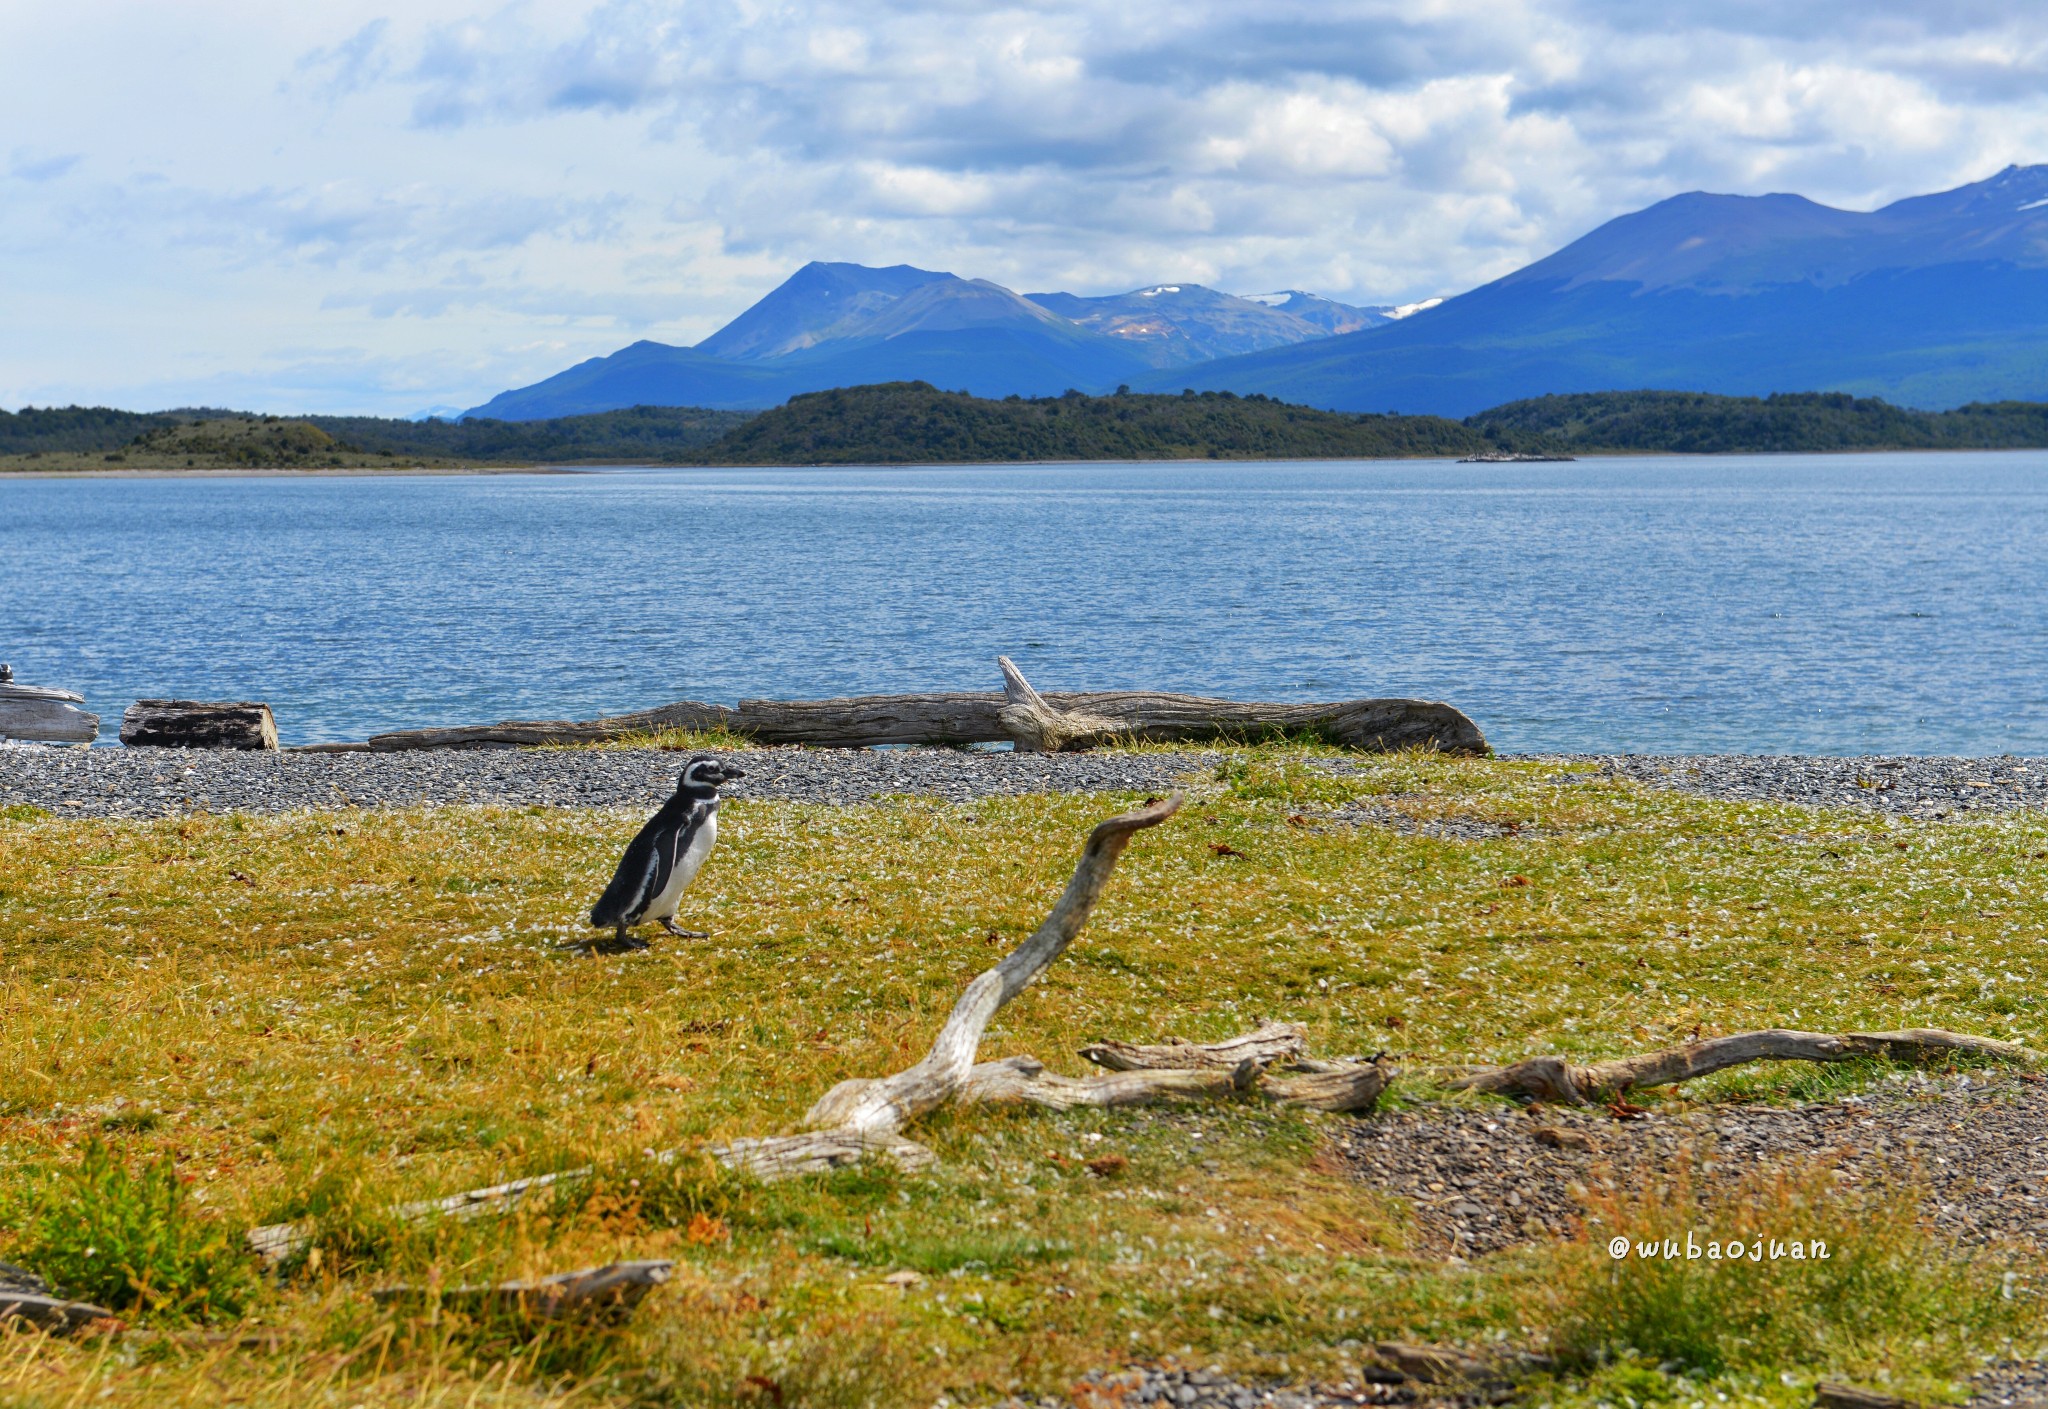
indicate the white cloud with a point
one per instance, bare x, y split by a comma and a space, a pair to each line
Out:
365, 208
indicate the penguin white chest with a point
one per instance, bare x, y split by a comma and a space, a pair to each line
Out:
687, 865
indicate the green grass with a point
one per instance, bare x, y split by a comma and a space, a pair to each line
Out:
328, 1014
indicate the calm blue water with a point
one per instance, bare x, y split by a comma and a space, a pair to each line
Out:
1833, 604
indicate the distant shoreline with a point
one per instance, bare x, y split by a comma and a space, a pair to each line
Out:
367, 472
294, 472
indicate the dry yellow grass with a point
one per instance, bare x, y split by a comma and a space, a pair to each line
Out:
346, 1010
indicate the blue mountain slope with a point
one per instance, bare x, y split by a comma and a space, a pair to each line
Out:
988, 361
806, 308
1930, 302
644, 374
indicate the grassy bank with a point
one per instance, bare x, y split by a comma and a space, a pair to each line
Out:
331, 1013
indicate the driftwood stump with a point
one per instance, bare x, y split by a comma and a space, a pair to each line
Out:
198, 724
1036, 727
42, 715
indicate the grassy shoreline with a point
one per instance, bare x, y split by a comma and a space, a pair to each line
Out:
338, 1011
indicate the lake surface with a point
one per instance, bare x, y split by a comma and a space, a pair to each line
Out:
1828, 604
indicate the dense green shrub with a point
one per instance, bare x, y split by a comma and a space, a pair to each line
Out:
130, 1240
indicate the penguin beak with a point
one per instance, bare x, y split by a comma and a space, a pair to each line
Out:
728, 772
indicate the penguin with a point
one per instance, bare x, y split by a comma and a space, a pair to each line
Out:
665, 857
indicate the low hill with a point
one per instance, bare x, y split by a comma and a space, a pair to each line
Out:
1687, 422
77, 437
56, 430
915, 423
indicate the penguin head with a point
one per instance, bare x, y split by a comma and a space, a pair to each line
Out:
705, 774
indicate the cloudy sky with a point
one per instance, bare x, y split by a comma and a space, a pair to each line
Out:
360, 207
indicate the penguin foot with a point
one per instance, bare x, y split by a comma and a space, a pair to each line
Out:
670, 926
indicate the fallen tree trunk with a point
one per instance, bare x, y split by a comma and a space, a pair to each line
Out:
199, 724
1557, 1080
512, 733
43, 715
1020, 715
597, 1293
1148, 716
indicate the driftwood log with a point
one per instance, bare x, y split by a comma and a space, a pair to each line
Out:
199, 724
25, 1297
607, 1293
1559, 1081
279, 1242
1020, 715
42, 715
1830, 1395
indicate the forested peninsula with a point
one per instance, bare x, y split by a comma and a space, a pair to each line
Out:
916, 423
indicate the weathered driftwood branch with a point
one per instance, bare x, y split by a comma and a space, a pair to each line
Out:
874, 1105
1270, 1043
598, 1293
1831, 1395
1021, 715
816, 1152
43, 715
1036, 727
278, 1242
1339, 1086
1554, 1079
1018, 1081
199, 724
52, 1313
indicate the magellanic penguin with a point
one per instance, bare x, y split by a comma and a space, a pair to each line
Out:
665, 857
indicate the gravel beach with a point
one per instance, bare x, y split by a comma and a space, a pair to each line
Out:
110, 782
1482, 1180
1934, 788
117, 782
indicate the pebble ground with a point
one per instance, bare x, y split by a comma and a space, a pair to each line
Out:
119, 782
1931, 788
1480, 1180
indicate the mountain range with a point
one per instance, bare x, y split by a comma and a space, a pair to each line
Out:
1933, 301
833, 325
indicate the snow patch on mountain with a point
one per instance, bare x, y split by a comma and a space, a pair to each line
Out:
1407, 310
